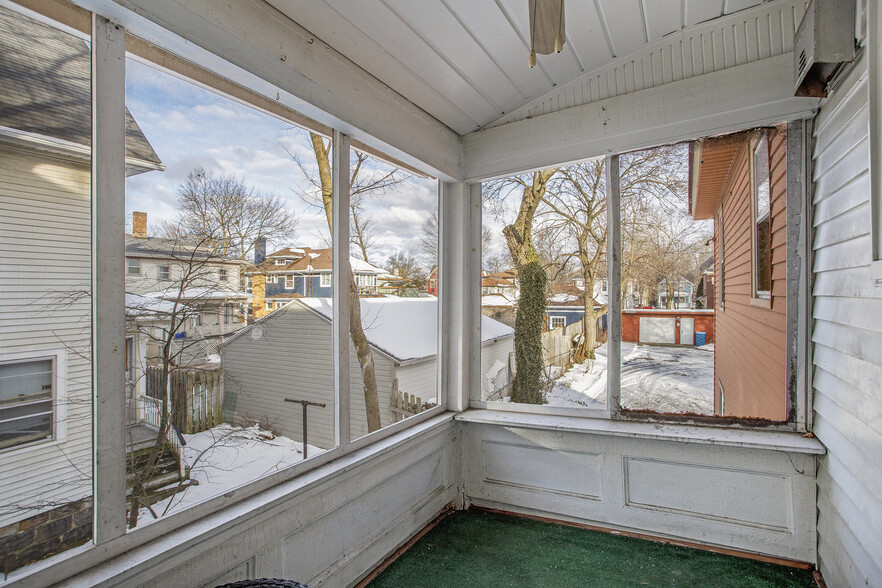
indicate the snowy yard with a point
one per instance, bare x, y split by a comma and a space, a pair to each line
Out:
665, 379
227, 457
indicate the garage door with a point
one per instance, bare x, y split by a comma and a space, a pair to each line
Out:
657, 329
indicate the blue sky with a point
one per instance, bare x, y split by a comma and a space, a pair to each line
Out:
191, 127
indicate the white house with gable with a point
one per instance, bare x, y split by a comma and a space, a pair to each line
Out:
287, 354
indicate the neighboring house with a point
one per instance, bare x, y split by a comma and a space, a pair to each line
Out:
565, 305
295, 272
704, 290
172, 270
288, 355
504, 283
740, 182
432, 282
683, 290
499, 308
45, 279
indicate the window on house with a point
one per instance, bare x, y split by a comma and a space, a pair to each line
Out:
762, 220
289, 281
222, 275
269, 305
164, 272
26, 391
556, 321
249, 284
281, 262
133, 267
197, 318
325, 280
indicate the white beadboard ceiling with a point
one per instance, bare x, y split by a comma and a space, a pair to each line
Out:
465, 61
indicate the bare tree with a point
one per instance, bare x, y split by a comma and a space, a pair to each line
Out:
363, 183
367, 182
429, 238
223, 212
407, 267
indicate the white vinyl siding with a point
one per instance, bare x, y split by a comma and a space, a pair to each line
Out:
292, 359
45, 244
847, 340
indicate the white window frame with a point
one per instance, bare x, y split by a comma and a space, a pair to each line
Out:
555, 321
163, 269
325, 279
222, 275
289, 281
281, 262
133, 262
59, 397
874, 56
759, 297
108, 181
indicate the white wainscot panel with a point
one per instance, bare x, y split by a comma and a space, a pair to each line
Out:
742, 497
751, 499
559, 471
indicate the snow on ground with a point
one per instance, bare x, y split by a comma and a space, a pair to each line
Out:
226, 457
654, 377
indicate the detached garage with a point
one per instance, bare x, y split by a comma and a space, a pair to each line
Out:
287, 354
667, 327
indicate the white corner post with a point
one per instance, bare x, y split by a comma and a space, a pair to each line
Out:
614, 273
340, 284
108, 281
459, 290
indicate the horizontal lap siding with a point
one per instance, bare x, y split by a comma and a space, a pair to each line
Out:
847, 339
750, 356
44, 306
293, 359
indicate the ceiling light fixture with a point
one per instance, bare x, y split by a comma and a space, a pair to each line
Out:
547, 29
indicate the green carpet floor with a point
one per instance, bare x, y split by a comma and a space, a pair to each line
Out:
483, 549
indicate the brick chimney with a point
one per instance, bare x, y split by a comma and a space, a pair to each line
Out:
139, 224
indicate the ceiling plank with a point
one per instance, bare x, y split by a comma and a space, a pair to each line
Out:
325, 23
625, 25
662, 18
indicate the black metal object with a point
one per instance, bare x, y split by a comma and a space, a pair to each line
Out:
305, 403
264, 583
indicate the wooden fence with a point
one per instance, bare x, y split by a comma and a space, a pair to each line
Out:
405, 405
557, 344
195, 397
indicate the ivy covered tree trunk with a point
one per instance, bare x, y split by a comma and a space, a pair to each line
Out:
528, 335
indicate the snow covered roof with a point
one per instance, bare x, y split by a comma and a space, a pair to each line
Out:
405, 329
202, 294
496, 300
138, 306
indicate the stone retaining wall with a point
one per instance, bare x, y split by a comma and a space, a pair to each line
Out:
45, 534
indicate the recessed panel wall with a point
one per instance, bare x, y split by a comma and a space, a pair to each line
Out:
754, 500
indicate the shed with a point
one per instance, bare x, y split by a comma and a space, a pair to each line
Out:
287, 354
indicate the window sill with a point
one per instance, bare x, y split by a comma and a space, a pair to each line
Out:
761, 302
751, 439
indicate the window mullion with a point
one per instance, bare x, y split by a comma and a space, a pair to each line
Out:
108, 281
340, 284
614, 295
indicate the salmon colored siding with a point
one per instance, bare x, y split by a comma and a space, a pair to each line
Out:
750, 355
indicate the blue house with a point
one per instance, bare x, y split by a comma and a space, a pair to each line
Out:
295, 272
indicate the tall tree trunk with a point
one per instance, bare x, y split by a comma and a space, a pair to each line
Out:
531, 304
356, 331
